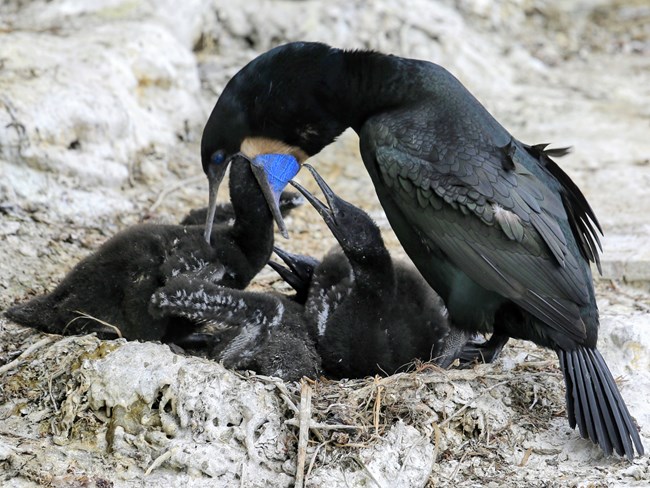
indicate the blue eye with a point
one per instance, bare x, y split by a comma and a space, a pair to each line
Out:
218, 157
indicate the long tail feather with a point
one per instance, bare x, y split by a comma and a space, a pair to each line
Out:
595, 405
587, 408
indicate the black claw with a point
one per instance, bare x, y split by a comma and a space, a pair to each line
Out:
476, 350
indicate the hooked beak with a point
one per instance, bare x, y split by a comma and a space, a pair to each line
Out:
329, 211
216, 173
272, 172
299, 272
300, 267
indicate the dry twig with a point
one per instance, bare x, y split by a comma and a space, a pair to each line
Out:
37, 345
171, 189
303, 434
84, 315
524, 460
158, 461
314, 456
376, 409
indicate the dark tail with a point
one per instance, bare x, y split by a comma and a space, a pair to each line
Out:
37, 313
594, 403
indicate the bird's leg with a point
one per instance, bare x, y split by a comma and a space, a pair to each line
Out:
476, 350
454, 345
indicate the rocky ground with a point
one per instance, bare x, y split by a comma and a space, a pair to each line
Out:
101, 107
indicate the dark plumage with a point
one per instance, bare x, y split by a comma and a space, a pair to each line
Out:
263, 332
298, 274
494, 225
115, 283
367, 313
225, 213
358, 311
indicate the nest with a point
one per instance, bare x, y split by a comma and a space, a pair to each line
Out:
490, 425
485, 412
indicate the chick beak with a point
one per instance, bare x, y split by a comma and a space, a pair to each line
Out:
271, 195
330, 197
325, 211
216, 173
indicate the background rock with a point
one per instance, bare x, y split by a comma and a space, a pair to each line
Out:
101, 109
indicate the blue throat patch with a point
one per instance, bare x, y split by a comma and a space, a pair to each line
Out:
279, 168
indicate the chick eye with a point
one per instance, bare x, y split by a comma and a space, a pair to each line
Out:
218, 157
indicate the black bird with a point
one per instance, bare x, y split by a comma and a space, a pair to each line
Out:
494, 225
225, 213
298, 274
114, 284
262, 332
367, 313
358, 310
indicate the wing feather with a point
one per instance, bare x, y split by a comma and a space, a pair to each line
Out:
494, 220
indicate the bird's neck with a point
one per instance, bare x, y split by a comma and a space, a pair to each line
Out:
373, 271
253, 226
367, 83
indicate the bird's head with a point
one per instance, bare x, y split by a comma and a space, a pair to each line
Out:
279, 103
355, 231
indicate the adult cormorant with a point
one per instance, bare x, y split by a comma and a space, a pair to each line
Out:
494, 225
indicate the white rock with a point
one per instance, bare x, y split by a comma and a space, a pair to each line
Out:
225, 424
75, 14
88, 106
403, 457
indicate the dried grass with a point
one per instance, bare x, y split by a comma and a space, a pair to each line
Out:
453, 409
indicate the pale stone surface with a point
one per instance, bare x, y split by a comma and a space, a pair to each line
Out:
403, 457
84, 103
101, 109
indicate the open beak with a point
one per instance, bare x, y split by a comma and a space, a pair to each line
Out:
216, 173
299, 272
272, 171
300, 266
328, 212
